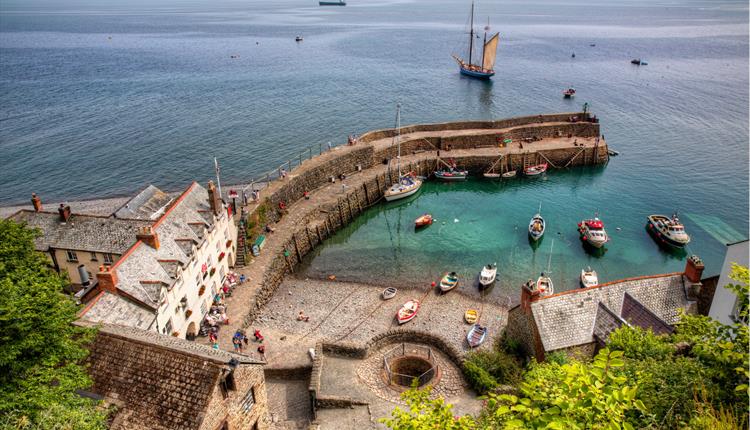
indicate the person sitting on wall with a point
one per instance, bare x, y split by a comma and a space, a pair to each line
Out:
269, 229
306, 195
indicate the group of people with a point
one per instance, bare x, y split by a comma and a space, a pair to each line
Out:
352, 140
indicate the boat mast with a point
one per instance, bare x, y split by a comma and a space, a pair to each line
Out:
549, 260
398, 137
471, 33
484, 45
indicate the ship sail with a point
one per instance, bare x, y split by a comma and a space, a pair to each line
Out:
490, 51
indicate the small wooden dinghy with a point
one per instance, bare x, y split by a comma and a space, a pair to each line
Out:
509, 174
449, 282
492, 175
408, 311
451, 175
423, 220
471, 316
535, 170
589, 278
476, 335
389, 293
544, 285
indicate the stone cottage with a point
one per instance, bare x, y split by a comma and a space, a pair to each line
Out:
159, 382
578, 321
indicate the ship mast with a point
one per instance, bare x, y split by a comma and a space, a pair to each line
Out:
471, 33
398, 137
484, 45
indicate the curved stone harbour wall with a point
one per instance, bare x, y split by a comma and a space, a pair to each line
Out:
367, 177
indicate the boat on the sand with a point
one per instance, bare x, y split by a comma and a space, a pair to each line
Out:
487, 275
476, 335
389, 293
408, 311
448, 282
589, 278
471, 316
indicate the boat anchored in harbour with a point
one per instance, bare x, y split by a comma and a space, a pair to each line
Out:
569, 93
332, 3
537, 225
535, 170
407, 184
667, 231
488, 275
592, 232
423, 220
486, 68
589, 278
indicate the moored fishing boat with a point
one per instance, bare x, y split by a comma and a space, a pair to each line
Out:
407, 184
408, 311
589, 278
485, 69
509, 174
471, 316
389, 293
570, 92
423, 220
544, 285
592, 232
537, 226
667, 231
476, 335
491, 175
451, 175
535, 170
448, 282
488, 275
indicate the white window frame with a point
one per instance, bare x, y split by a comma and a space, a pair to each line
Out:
108, 258
71, 256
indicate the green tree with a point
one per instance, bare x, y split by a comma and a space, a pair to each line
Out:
574, 395
425, 414
41, 349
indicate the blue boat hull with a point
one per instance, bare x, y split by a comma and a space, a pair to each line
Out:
474, 74
331, 3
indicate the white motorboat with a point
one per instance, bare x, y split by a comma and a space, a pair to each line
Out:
668, 231
592, 232
488, 275
589, 278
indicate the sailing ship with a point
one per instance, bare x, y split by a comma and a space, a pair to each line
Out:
408, 184
486, 68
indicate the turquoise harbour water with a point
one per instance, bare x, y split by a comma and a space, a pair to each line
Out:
479, 222
98, 98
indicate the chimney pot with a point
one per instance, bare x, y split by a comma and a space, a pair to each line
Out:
107, 278
147, 235
694, 269
36, 202
214, 199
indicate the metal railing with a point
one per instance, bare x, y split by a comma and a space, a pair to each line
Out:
404, 350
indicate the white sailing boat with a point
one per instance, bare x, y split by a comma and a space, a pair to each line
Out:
408, 184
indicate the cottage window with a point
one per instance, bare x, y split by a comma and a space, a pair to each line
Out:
228, 384
72, 256
249, 400
93, 256
221, 273
198, 279
108, 259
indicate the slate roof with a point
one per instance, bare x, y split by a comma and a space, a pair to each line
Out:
114, 309
143, 272
637, 314
159, 382
149, 204
568, 319
81, 232
605, 323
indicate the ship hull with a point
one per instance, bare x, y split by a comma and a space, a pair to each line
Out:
475, 74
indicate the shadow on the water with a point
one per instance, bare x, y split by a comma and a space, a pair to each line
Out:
667, 249
534, 244
594, 251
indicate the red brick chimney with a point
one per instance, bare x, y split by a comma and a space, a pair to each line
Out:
107, 279
694, 269
64, 212
214, 199
36, 202
528, 296
148, 236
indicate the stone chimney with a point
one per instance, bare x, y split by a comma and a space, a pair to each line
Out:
528, 296
107, 278
64, 212
694, 269
36, 202
214, 199
148, 236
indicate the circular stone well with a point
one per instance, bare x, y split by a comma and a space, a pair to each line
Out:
403, 370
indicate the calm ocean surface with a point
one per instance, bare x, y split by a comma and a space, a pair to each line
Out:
98, 98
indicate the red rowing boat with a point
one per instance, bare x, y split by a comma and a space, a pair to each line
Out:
423, 220
535, 170
408, 311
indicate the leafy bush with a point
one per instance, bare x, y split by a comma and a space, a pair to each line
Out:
479, 380
425, 414
640, 344
486, 370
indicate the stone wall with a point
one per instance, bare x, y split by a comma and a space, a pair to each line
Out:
519, 329
472, 125
247, 377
